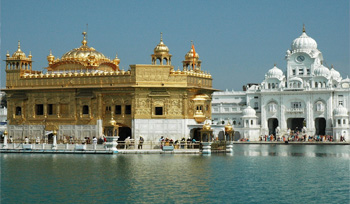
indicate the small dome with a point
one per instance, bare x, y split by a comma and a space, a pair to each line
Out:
189, 55
322, 71
19, 52
274, 73
340, 111
304, 42
334, 73
161, 47
228, 128
346, 80
50, 57
206, 126
249, 111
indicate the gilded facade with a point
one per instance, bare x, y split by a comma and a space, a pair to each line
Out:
84, 94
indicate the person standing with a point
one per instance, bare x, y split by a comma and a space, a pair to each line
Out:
94, 142
140, 142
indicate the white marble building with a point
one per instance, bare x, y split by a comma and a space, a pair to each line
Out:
308, 94
3, 115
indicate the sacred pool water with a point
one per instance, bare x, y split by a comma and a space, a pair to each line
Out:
252, 174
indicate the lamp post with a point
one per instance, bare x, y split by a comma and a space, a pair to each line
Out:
206, 138
229, 132
5, 140
112, 143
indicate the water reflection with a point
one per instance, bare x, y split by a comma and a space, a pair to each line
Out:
242, 176
289, 151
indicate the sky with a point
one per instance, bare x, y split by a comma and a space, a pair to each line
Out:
238, 41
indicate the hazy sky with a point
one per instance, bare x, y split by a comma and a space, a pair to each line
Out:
237, 41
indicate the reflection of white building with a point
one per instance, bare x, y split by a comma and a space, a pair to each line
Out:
3, 115
308, 94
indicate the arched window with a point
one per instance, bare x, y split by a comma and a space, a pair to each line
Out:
85, 109
165, 61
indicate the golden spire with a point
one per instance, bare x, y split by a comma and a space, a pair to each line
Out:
50, 58
161, 37
7, 54
303, 28
84, 42
30, 54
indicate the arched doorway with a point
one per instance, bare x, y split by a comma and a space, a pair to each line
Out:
221, 135
295, 124
196, 134
320, 125
237, 136
124, 132
273, 124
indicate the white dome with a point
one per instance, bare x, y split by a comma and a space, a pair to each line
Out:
340, 111
249, 111
335, 74
304, 42
274, 73
322, 71
346, 80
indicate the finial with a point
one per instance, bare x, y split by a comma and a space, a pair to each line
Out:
19, 45
30, 54
84, 42
332, 66
50, 52
303, 28
161, 37
7, 54
191, 42
274, 65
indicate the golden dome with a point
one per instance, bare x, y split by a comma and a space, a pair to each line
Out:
83, 53
19, 52
50, 57
112, 122
161, 47
189, 54
116, 60
206, 126
228, 128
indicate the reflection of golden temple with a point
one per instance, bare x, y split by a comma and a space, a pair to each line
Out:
83, 92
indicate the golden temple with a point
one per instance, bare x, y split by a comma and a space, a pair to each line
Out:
85, 94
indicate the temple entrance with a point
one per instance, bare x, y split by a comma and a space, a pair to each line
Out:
272, 124
124, 132
320, 125
295, 124
196, 134
237, 136
221, 135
